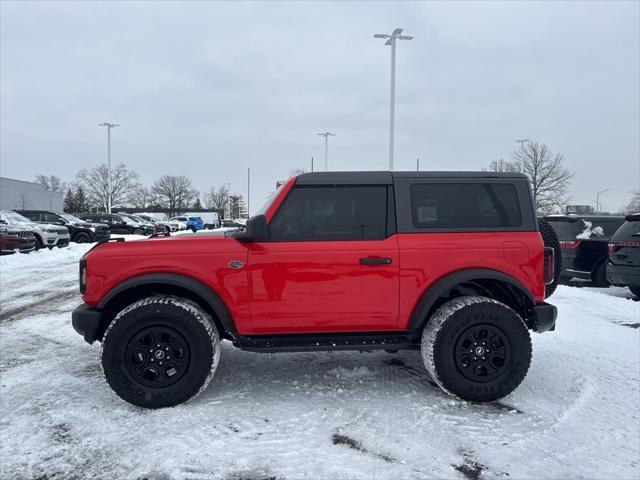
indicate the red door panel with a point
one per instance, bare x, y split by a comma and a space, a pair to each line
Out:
298, 287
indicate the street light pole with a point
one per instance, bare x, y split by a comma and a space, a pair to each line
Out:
326, 136
522, 142
598, 199
109, 126
248, 190
391, 40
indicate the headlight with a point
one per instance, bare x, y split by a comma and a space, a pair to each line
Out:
51, 230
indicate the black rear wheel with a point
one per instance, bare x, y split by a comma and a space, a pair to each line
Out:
476, 348
550, 239
137, 231
599, 275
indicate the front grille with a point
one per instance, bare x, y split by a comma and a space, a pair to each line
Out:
26, 234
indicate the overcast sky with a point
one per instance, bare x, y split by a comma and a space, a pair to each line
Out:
207, 89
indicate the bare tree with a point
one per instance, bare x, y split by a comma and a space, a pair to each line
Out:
174, 192
502, 165
143, 197
50, 182
124, 183
549, 178
634, 205
217, 198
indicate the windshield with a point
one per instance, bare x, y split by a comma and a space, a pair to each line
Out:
264, 207
13, 217
128, 220
70, 218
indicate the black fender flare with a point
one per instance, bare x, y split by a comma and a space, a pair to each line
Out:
441, 286
188, 283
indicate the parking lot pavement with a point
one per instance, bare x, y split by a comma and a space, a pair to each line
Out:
334, 415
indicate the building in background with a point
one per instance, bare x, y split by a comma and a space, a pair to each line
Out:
27, 196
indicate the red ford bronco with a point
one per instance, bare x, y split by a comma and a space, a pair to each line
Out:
451, 263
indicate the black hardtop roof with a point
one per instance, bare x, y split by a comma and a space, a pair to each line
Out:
386, 178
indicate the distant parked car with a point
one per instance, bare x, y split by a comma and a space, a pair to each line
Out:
14, 239
117, 224
232, 224
191, 223
210, 220
9, 243
584, 244
148, 228
79, 230
166, 226
47, 235
623, 267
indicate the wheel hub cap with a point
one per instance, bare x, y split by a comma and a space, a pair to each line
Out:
157, 356
482, 353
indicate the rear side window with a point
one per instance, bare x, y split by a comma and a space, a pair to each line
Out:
327, 213
566, 230
465, 205
628, 231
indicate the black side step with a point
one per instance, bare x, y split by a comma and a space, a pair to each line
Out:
328, 342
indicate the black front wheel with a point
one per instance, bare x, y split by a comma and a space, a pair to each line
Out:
476, 348
137, 231
160, 352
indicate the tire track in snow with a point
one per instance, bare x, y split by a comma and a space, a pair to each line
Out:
51, 301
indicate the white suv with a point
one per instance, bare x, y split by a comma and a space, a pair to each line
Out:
47, 235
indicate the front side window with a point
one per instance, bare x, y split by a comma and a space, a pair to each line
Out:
465, 205
327, 213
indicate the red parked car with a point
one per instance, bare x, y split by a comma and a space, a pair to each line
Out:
450, 263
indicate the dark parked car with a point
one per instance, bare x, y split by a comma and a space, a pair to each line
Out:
79, 230
584, 244
116, 223
14, 238
623, 267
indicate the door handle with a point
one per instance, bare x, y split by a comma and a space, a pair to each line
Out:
375, 261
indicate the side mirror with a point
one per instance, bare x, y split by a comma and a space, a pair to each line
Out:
256, 229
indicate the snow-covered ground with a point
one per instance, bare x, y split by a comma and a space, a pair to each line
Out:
316, 415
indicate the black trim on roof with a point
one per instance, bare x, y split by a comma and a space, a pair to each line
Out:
344, 178
386, 178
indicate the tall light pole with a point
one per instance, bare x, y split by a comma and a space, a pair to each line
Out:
109, 126
248, 190
391, 40
522, 142
326, 136
598, 198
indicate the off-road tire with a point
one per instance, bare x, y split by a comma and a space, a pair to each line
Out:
448, 331
550, 239
82, 237
190, 327
635, 290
